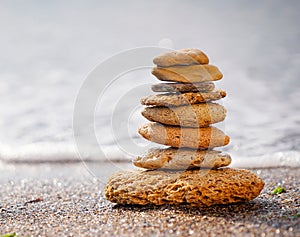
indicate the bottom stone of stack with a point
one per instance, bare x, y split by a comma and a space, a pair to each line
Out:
181, 159
194, 187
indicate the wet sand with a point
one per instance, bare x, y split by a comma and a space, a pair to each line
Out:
73, 205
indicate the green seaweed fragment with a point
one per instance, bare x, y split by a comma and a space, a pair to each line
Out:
9, 235
278, 190
296, 216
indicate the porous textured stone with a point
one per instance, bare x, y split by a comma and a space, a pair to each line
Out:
195, 187
187, 56
177, 99
181, 159
183, 87
174, 136
188, 74
195, 115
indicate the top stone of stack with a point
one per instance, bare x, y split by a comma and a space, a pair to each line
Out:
185, 66
183, 57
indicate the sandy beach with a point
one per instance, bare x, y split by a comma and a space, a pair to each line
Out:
73, 205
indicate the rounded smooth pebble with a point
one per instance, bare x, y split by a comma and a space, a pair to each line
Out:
181, 159
197, 138
195, 115
188, 74
184, 87
177, 99
188, 56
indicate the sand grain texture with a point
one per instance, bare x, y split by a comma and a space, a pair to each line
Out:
74, 206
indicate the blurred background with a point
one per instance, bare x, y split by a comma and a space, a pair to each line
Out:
49, 47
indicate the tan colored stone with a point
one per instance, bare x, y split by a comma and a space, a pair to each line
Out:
195, 187
174, 136
188, 74
177, 99
184, 87
181, 57
196, 115
181, 159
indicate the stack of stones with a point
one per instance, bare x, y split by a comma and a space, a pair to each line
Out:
189, 170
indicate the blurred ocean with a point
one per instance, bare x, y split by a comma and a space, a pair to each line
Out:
48, 49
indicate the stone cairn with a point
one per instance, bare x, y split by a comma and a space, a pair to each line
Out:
189, 171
